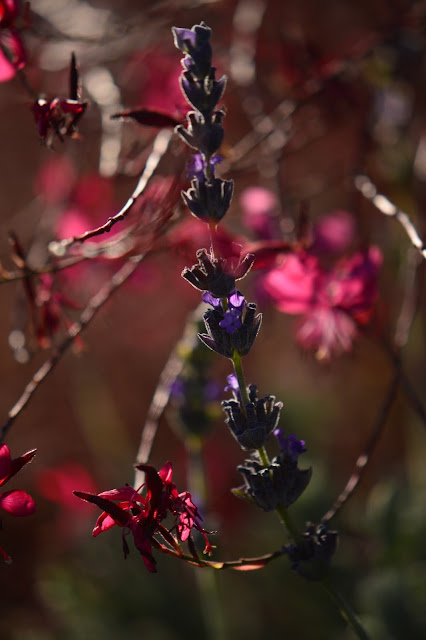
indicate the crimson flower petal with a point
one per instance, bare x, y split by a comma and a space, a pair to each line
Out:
119, 515
103, 523
5, 463
17, 503
124, 493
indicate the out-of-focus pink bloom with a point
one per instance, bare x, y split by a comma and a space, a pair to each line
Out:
71, 516
333, 302
259, 209
50, 305
55, 180
57, 484
333, 233
17, 503
141, 515
12, 52
158, 73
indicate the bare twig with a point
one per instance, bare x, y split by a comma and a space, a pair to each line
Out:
385, 206
161, 143
364, 458
409, 303
408, 388
88, 313
12, 276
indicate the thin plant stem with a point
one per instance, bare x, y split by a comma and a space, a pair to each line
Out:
238, 368
388, 208
288, 523
346, 610
263, 456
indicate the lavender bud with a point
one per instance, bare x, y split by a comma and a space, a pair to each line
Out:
253, 426
312, 556
278, 484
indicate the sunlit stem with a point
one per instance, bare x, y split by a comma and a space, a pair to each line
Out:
212, 233
238, 368
263, 456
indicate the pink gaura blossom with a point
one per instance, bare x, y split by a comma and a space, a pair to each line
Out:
142, 514
259, 208
12, 52
333, 302
16, 502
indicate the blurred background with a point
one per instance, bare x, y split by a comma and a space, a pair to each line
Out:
317, 94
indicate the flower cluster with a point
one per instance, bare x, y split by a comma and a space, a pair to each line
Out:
17, 503
231, 323
142, 515
281, 482
311, 556
333, 303
58, 117
214, 275
12, 51
251, 423
208, 197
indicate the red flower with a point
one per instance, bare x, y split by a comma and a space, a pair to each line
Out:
142, 515
12, 52
333, 302
17, 503
58, 117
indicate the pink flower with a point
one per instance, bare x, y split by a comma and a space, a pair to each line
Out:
157, 73
141, 515
260, 213
50, 316
17, 503
334, 233
333, 302
12, 52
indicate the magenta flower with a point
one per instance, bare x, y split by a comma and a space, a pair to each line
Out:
16, 502
260, 212
333, 303
12, 52
142, 514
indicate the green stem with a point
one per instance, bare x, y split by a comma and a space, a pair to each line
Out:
346, 610
287, 521
208, 581
238, 368
263, 456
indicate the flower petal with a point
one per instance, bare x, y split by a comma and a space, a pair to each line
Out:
17, 503
5, 463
